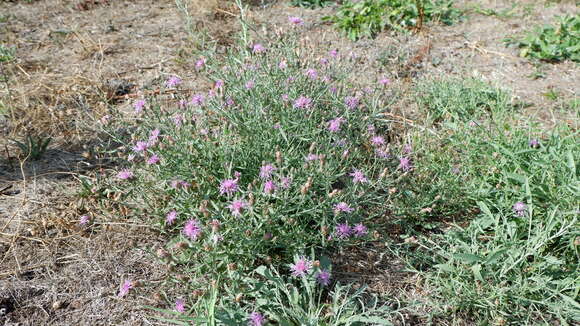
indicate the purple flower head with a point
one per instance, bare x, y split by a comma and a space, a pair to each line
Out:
197, 99
178, 119
154, 159
334, 90
236, 207
303, 102
324, 61
256, 319
269, 187
377, 141
171, 217
371, 129
266, 171
333, 53
276, 126
360, 230
334, 124
84, 220
139, 105
192, 229
301, 267
296, 21
285, 97
343, 207
283, 64
312, 73
343, 231
286, 182
351, 102
311, 157
407, 149
534, 143
384, 81
200, 63
250, 84
173, 81
125, 174
230, 101
258, 48
219, 84
125, 287
405, 164
358, 176
228, 186
140, 146
180, 305
323, 277
520, 208
154, 134
382, 153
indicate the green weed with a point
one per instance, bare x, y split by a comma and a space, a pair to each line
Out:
33, 147
367, 18
552, 44
6, 53
311, 3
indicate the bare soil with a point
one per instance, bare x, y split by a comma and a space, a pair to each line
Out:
77, 61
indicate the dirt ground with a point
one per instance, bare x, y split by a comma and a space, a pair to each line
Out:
79, 60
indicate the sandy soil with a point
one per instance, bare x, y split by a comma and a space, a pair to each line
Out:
79, 60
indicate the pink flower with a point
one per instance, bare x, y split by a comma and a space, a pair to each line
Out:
269, 187
192, 229
520, 208
197, 99
382, 153
258, 48
178, 119
256, 319
140, 146
343, 207
250, 84
125, 174
228, 186
154, 159
236, 207
180, 305
324, 61
283, 65
360, 230
334, 124
219, 84
333, 53
173, 81
358, 176
351, 102
127, 285
84, 220
284, 97
384, 81
303, 102
377, 141
297, 21
139, 105
534, 143
286, 182
266, 171
301, 267
343, 231
407, 149
311, 157
323, 277
154, 134
405, 164
312, 74
200, 63
171, 217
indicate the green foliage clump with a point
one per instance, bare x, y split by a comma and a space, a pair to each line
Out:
366, 18
311, 3
33, 147
6, 53
552, 43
